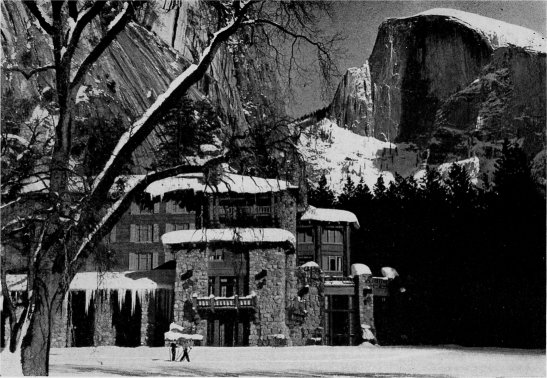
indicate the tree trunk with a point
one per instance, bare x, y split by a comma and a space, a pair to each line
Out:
36, 341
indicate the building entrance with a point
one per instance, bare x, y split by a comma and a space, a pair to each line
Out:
340, 320
228, 328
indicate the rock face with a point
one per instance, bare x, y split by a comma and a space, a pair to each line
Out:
137, 67
352, 103
451, 83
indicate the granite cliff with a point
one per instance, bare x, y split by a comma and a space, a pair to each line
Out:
449, 84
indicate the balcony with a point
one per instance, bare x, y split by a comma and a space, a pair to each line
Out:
232, 211
225, 303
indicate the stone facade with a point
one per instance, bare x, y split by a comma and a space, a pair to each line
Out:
105, 333
194, 260
306, 311
270, 316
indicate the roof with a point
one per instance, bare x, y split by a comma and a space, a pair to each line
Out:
141, 280
227, 182
329, 215
239, 235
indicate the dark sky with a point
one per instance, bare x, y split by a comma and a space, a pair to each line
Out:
359, 21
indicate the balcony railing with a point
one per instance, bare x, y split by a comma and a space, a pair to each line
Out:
247, 210
235, 302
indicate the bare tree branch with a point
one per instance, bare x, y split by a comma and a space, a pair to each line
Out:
36, 12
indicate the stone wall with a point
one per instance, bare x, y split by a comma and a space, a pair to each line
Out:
306, 312
366, 300
105, 332
184, 314
270, 315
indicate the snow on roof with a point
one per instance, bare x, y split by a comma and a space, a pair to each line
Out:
240, 235
389, 272
143, 280
228, 182
359, 269
329, 215
175, 336
310, 264
497, 32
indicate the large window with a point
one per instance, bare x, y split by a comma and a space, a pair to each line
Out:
305, 236
143, 261
144, 233
172, 207
331, 236
136, 209
112, 235
178, 226
223, 286
332, 263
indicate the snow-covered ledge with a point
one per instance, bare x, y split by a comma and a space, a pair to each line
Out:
239, 235
329, 215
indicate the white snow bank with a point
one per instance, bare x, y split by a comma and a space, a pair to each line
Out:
329, 215
389, 272
310, 264
228, 182
498, 33
240, 235
359, 269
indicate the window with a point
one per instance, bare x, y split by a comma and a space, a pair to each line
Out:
143, 261
172, 207
330, 236
332, 263
137, 209
216, 255
178, 226
144, 233
305, 236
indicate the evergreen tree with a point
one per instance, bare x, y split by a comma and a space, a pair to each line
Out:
185, 128
380, 189
322, 196
348, 195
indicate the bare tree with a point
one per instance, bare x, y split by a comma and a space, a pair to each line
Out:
69, 216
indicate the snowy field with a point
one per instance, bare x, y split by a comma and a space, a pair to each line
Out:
299, 361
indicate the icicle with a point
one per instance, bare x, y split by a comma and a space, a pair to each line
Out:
121, 298
88, 297
133, 301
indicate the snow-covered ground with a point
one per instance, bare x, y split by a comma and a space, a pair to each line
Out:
299, 361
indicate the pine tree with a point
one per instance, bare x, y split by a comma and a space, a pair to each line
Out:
380, 189
185, 128
347, 197
322, 196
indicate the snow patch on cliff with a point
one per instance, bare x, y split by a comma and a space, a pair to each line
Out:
336, 152
498, 33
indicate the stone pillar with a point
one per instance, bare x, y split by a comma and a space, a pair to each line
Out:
184, 312
105, 332
270, 295
363, 287
307, 329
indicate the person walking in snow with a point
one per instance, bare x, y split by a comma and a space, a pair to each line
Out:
186, 352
